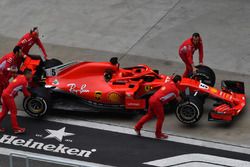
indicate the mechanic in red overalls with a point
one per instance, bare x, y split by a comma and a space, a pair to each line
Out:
20, 83
187, 50
9, 66
29, 39
165, 94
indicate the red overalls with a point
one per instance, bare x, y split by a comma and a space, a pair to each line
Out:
166, 93
6, 62
19, 83
27, 41
186, 52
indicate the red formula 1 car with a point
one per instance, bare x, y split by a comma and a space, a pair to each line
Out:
104, 86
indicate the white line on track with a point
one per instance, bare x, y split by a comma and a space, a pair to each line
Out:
7, 151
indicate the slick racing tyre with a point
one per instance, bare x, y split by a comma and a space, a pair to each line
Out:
37, 106
171, 106
52, 63
205, 74
190, 111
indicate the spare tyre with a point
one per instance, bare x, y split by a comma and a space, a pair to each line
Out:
204, 74
190, 111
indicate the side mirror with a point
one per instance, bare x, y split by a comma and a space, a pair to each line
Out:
156, 71
114, 61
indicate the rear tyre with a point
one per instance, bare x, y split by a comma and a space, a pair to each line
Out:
52, 63
190, 111
205, 74
39, 105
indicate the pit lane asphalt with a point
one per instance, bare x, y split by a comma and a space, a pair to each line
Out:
236, 132
109, 148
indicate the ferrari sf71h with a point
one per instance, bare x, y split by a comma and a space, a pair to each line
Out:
105, 86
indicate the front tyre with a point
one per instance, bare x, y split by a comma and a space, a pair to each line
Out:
205, 74
190, 111
36, 107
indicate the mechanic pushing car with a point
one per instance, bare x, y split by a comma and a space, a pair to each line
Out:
29, 39
9, 65
187, 50
8, 97
165, 94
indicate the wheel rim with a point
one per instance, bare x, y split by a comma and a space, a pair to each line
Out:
188, 112
35, 105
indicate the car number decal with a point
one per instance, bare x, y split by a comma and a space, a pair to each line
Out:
203, 86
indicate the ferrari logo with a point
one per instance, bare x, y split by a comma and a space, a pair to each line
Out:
98, 95
147, 88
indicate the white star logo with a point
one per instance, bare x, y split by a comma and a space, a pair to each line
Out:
58, 134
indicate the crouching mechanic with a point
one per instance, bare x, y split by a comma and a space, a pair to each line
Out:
9, 65
28, 40
165, 94
187, 50
20, 83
